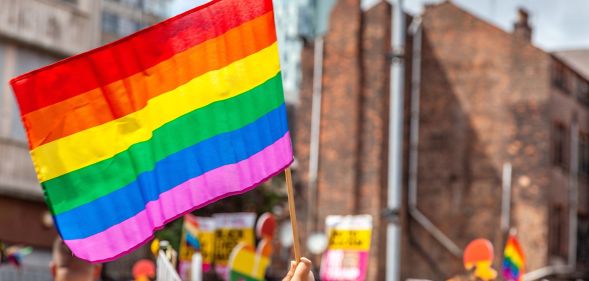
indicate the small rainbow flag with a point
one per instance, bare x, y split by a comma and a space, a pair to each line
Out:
191, 231
134, 134
514, 260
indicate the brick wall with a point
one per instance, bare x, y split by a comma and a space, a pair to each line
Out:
484, 102
373, 130
486, 99
352, 160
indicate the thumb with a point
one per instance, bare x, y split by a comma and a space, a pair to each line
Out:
303, 271
291, 271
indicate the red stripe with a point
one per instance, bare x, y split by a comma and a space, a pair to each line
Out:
122, 97
133, 54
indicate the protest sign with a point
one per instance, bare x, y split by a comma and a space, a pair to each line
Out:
231, 229
346, 258
206, 237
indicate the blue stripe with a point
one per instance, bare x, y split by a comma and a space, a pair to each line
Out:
192, 241
194, 161
510, 267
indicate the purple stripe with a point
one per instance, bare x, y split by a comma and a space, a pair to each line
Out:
215, 185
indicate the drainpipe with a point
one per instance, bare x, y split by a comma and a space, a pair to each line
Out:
506, 199
415, 30
395, 145
416, 214
315, 133
573, 194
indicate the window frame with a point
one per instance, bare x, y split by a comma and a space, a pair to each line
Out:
560, 145
559, 77
557, 232
111, 25
583, 154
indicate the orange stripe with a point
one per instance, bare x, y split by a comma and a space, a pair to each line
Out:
131, 94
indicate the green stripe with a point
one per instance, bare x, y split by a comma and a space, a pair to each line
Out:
510, 261
92, 182
237, 276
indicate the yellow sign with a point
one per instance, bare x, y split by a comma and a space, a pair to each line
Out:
346, 258
231, 229
207, 246
349, 239
227, 238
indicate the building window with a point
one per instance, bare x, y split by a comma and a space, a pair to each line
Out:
583, 91
127, 26
584, 155
583, 240
133, 3
559, 145
140, 4
110, 23
556, 243
139, 26
559, 77
53, 28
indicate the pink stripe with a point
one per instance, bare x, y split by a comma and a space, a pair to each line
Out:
193, 194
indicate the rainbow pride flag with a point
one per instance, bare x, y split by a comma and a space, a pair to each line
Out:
190, 229
134, 134
513, 260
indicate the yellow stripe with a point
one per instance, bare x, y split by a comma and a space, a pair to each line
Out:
515, 257
102, 142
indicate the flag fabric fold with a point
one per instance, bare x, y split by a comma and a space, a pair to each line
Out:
134, 134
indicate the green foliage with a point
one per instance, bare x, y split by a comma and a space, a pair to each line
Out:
171, 233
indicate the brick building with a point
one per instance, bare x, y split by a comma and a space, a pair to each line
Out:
570, 153
488, 99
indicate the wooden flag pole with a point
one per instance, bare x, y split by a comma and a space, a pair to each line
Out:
293, 214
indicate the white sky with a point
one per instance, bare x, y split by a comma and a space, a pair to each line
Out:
557, 24
179, 6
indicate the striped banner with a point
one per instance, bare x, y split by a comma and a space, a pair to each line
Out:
132, 135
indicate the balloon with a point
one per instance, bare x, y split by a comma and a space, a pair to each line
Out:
479, 255
143, 268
